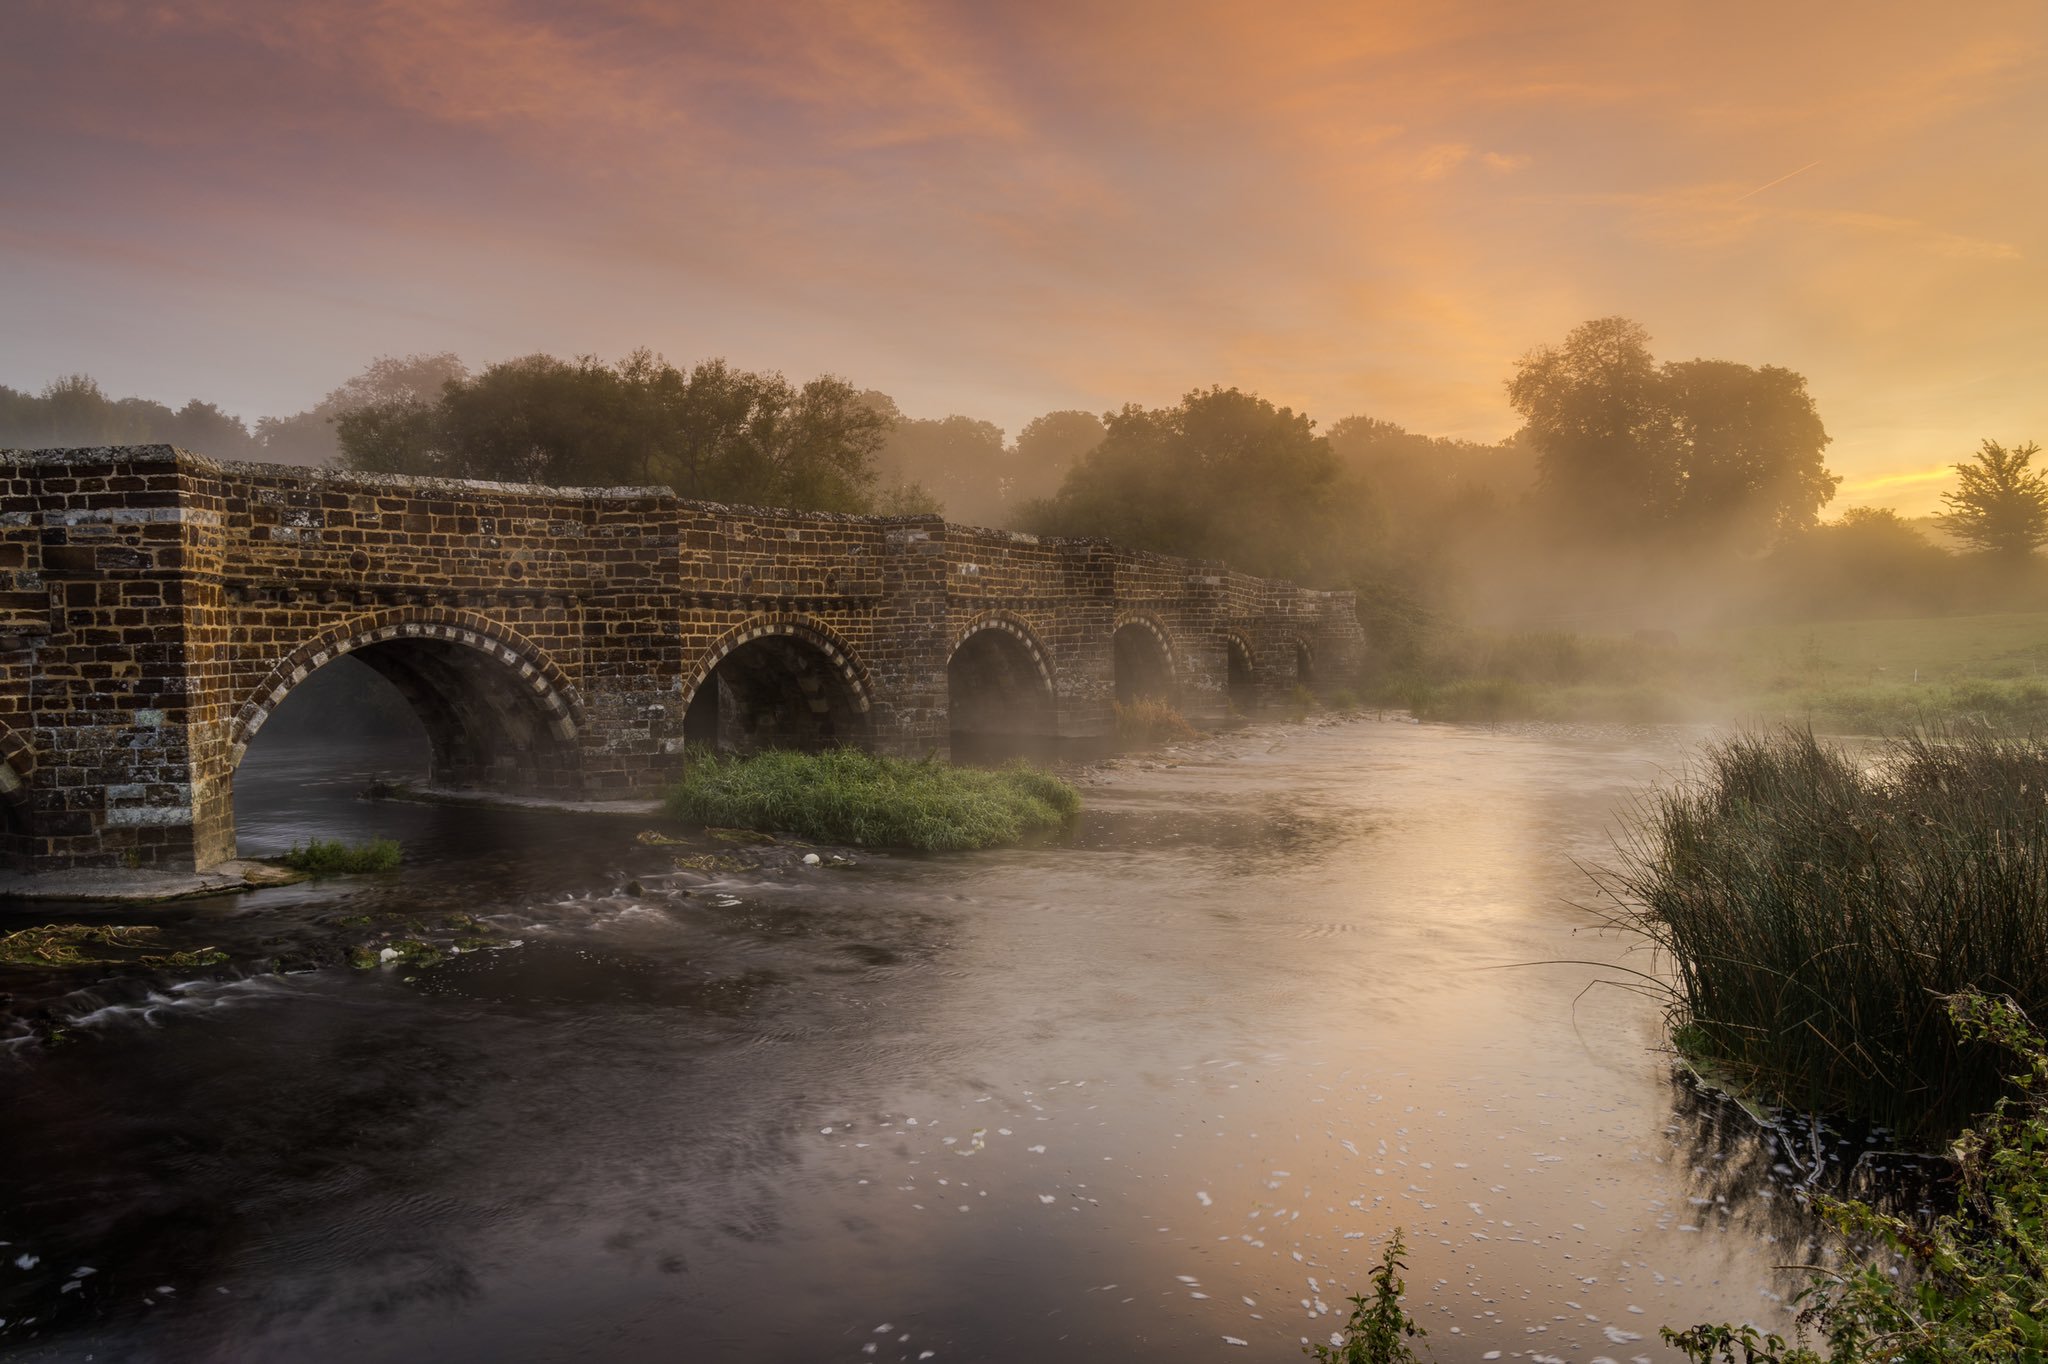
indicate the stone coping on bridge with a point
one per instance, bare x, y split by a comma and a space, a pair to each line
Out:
363, 481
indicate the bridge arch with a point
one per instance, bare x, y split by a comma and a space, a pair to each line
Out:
17, 825
1303, 652
1240, 670
999, 685
497, 710
777, 681
1143, 656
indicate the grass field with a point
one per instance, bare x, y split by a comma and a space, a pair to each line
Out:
1854, 676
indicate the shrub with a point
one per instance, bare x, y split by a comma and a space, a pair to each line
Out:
1817, 912
847, 796
1146, 721
324, 857
1974, 1285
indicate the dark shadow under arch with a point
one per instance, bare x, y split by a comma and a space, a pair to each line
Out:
780, 688
999, 692
1144, 663
1240, 672
493, 711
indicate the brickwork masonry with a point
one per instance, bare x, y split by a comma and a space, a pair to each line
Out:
156, 607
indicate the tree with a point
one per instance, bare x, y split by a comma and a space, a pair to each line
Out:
311, 437
715, 433
73, 411
1595, 410
2002, 506
961, 460
1747, 447
1705, 450
1047, 448
1224, 475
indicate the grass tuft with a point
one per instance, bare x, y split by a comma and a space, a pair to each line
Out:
1819, 909
847, 796
332, 857
1147, 721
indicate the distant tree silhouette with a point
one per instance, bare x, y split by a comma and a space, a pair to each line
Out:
1047, 448
714, 433
74, 411
2001, 506
1224, 475
310, 437
1701, 449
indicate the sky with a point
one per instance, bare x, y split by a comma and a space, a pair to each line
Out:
1367, 206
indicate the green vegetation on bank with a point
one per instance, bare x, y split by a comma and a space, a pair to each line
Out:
1817, 907
847, 796
1859, 676
1968, 1289
332, 857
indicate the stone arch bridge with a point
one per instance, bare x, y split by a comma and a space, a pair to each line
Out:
157, 606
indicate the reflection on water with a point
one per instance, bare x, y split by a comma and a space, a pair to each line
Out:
1148, 1094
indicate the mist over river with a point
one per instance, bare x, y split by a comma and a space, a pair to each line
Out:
1157, 1092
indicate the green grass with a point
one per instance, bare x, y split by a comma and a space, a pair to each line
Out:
332, 857
1818, 907
847, 796
1851, 677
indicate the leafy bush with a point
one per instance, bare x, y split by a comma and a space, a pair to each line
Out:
1974, 1286
847, 796
1380, 1328
325, 857
1817, 912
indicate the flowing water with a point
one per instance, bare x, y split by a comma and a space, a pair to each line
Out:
1158, 1092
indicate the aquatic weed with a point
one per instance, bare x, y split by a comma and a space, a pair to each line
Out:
1380, 1328
332, 857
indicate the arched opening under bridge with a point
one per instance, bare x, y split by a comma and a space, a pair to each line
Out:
1144, 667
999, 696
1241, 682
439, 704
778, 690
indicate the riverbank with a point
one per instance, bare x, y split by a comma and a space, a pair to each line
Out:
1860, 677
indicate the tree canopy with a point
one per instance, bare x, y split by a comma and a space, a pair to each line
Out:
72, 411
1224, 475
2001, 506
1698, 450
714, 432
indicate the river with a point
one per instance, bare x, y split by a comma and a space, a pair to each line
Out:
1157, 1092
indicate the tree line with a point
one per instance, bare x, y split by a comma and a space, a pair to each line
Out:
1630, 479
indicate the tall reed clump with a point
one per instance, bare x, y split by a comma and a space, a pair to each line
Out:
1146, 720
1817, 911
847, 796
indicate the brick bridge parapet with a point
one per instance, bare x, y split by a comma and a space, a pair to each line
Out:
157, 606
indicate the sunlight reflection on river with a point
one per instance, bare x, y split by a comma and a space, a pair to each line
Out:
1151, 1094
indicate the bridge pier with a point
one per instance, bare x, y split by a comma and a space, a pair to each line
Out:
156, 607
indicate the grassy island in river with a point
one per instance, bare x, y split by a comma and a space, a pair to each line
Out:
847, 796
